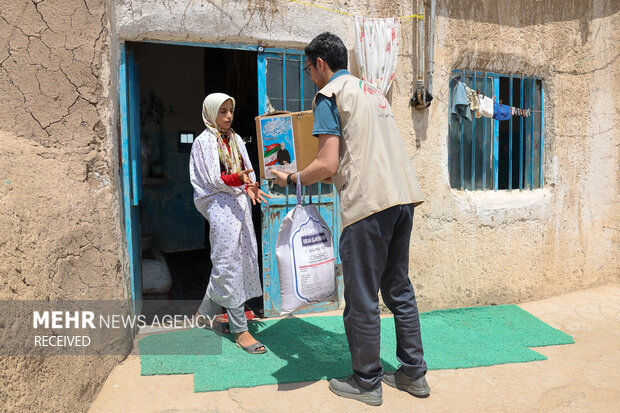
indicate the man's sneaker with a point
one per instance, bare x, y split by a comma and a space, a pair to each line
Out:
349, 388
418, 387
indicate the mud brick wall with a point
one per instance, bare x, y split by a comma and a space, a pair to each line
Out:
60, 234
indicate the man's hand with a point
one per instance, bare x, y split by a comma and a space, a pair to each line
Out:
280, 177
256, 194
244, 176
323, 167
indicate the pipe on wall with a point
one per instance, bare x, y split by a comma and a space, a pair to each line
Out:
431, 45
420, 43
424, 46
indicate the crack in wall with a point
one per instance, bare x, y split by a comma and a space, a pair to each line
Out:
13, 83
576, 73
40, 55
77, 89
87, 8
36, 6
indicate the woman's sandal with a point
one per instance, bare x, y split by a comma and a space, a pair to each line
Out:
253, 348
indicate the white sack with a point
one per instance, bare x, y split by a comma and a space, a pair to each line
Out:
156, 277
305, 256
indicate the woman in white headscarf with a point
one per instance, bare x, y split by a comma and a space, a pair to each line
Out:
224, 183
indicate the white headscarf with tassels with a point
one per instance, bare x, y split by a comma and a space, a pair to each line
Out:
210, 108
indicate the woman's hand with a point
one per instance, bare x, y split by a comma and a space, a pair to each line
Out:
244, 176
256, 194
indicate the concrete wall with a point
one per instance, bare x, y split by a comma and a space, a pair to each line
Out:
472, 248
59, 201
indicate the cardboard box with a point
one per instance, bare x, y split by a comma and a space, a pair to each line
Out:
285, 142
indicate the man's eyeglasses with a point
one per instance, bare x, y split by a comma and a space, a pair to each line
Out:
307, 68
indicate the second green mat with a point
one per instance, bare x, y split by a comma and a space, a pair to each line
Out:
315, 348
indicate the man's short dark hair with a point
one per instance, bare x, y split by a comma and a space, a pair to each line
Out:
330, 48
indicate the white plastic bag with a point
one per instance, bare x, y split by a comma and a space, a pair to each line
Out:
305, 256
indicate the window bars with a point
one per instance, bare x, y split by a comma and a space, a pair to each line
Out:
485, 153
286, 86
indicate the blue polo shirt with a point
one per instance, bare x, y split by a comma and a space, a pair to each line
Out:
326, 116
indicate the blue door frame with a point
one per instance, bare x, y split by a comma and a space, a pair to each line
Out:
129, 107
290, 63
282, 201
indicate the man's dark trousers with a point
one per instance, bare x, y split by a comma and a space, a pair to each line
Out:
375, 255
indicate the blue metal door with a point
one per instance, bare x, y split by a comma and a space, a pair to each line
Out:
282, 85
129, 106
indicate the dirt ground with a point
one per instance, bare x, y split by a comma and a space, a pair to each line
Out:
578, 377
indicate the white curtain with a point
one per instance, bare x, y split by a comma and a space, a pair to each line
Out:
376, 50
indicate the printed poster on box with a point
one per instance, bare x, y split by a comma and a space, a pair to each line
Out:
278, 145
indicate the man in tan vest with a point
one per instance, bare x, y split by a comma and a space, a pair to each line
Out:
362, 153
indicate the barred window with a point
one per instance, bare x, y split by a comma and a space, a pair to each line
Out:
489, 154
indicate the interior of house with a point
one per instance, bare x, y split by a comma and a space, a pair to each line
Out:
173, 82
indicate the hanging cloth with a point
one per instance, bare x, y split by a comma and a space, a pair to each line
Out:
501, 112
376, 50
486, 107
460, 105
473, 100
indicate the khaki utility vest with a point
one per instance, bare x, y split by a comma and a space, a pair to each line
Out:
374, 172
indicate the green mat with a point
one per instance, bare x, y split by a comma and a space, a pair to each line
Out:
315, 348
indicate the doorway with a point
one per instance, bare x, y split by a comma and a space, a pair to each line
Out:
161, 89
173, 81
